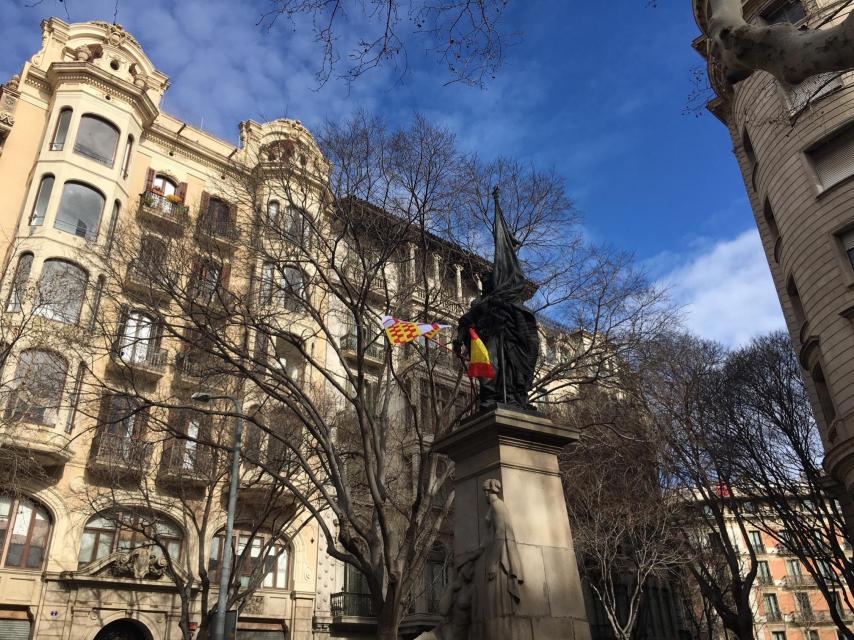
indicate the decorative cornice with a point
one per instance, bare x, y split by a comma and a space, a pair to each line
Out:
171, 142
86, 73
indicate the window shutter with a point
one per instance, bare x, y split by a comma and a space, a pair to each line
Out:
182, 191
105, 414
203, 203
120, 333
149, 179
232, 216
140, 423
834, 160
225, 275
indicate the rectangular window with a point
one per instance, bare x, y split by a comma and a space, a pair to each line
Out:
804, 604
772, 607
778, 635
764, 571
791, 11
793, 568
756, 542
833, 160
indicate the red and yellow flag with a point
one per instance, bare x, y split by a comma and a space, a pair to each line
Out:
400, 331
479, 364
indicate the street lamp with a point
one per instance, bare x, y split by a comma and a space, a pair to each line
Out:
225, 569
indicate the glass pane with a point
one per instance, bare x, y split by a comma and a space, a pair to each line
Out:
19, 285
97, 140
61, 290
80, 210
40, 378
213, 560
105, 544
137, 337
87, 548
282, 570
42, 200
5, 513
173, 549
20, 529
61, 130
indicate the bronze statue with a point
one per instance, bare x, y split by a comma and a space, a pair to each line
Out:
507, 328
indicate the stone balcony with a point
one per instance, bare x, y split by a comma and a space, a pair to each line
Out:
219, 233
187, 464
47, 445
147, 362
167, 213
119, 456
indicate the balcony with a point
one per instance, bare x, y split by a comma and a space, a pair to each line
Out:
45, 444
764, 580
141, 280
165, 212
352, 605
141, 360
221, 232
795, 582
187, 463
119, 455
774, 616
193, 368
374, 351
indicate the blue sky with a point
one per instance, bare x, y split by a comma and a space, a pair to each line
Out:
596, 93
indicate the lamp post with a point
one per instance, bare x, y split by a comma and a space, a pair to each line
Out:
225, 569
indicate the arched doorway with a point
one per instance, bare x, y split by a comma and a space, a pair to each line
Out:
124, 630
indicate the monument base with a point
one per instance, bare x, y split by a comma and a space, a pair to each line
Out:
519, 449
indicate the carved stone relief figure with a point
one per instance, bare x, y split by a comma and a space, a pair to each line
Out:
501, 556
456, 603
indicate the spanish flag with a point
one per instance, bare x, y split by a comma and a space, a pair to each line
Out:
479, 364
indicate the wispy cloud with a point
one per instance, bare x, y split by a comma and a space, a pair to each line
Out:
726, 290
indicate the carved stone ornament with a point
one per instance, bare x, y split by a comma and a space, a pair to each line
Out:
14, 83
140, 563
253, 605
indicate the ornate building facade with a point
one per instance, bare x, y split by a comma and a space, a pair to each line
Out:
794, 148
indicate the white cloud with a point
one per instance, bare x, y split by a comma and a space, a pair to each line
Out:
726, 291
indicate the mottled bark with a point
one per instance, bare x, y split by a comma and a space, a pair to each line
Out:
788, 53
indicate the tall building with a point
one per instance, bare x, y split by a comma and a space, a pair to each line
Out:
104, 200
795, 148
787, 603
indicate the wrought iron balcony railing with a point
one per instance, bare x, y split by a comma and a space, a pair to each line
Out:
354, 605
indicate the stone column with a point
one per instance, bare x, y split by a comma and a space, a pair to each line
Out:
519, 449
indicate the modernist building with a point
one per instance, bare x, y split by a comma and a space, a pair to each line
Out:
90, 165
795, 147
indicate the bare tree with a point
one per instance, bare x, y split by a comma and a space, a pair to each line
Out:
778, 450
682, 380
625, 521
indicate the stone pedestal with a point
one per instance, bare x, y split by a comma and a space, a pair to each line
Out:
520, 450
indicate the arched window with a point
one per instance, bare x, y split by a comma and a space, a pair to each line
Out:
80, 210
283, 285
97, 139
292, 226
164, 185
112, 531
19, 282
42, 200
61, 291
248, 552
36, 391
128, 156
61, 131
24, 532
273, 213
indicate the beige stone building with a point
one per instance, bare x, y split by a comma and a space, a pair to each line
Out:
98, 530
794, 147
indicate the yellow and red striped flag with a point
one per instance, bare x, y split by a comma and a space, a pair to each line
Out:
479, 364
400, 331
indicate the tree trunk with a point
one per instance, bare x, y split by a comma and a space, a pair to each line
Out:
388, 620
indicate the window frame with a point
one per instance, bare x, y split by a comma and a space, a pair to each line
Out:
61, 129
8, 532
20, 279
117, 519
88, 235
32, 412
94, 155
48, 309
41, 203
243, 538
